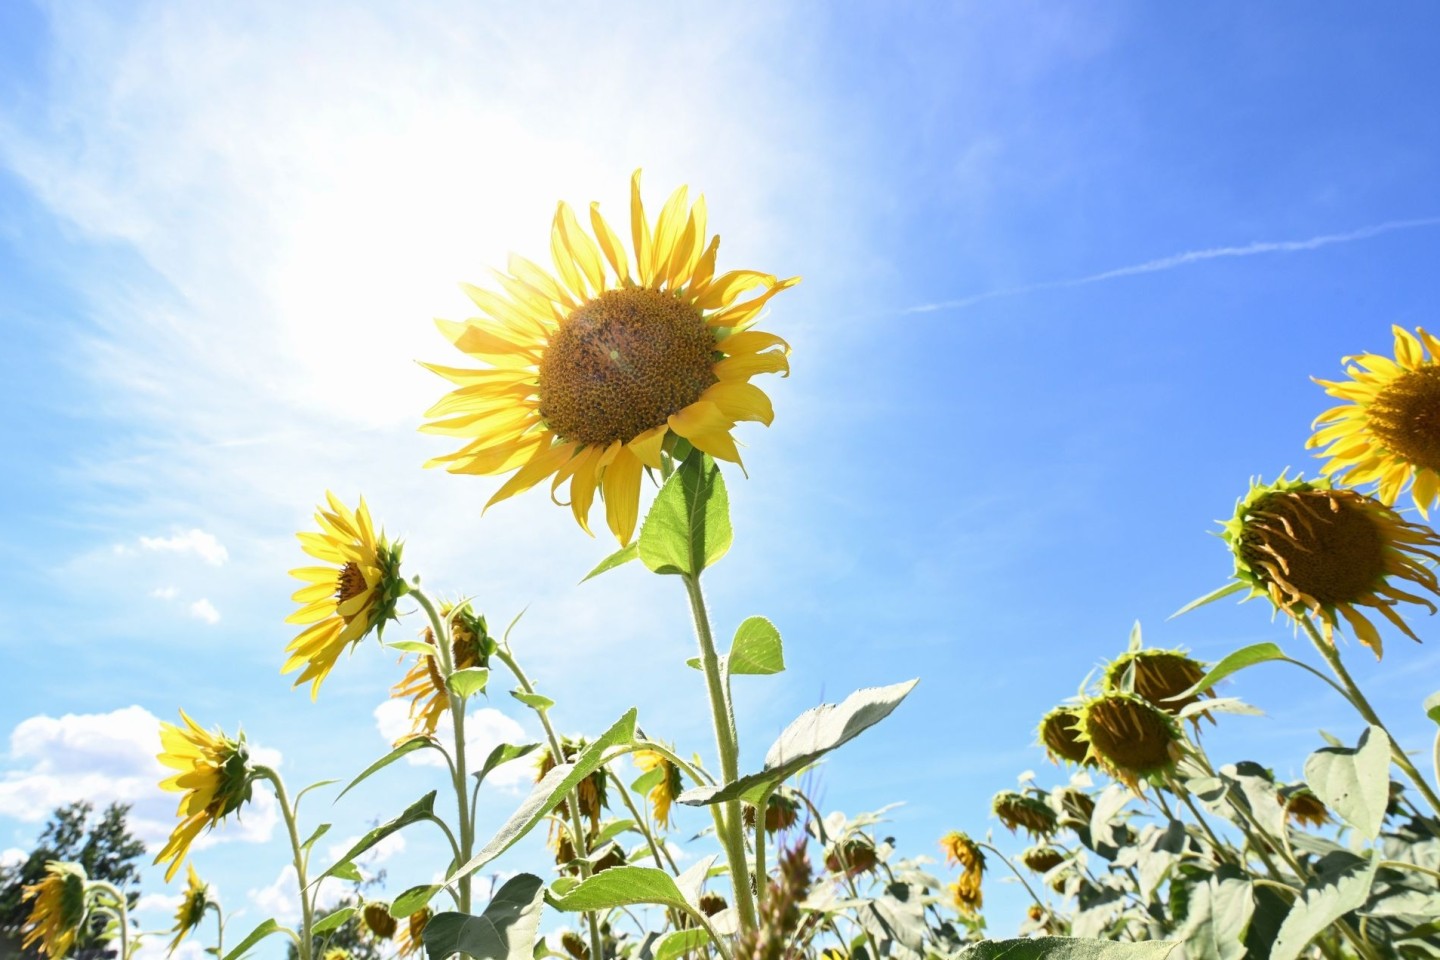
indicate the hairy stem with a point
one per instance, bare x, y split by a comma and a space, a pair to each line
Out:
307, 909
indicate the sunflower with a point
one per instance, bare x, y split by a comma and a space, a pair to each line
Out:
590, 791
593, 372
1156, 675
1316, 550
667, 786
1388, 431
411, 937
470, 646
193, 904
215, 777
378, 920
1303, 807
1018, 811
58, 910
962, 851
782, 811
1042, 858
852, 857
343, 601
1131, 738
1058, 737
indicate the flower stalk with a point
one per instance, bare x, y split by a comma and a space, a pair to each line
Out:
287, 811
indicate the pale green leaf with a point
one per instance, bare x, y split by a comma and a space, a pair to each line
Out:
1341, 883
1354, 783
1066, 948
413, 899
422, 809
409, 746
1218, 917
1432, 707
412, 646
505, 930
1234, 663
333, 921
1234, 586
756, 649
467, 682
320, 831
503, 753
688, 526
261, 931
677, 943
620, 557
535, 701
623, 886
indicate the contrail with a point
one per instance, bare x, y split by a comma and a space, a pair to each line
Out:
1183, 259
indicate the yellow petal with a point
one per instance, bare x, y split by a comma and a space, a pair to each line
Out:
647, 446
640, 231
741, 400
611, 244
721, 291
546, 460
707, 428
621, 483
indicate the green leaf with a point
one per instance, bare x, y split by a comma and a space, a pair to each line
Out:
693, 879
1341, 884
314, 786
1065, 948
334, 921
413, 899
812, 735
756, 649
619, 558
412, 646
346, 870
1354, 783
263, 930
504, 753
422, 809
534, 701
648, 780
1219, 916
467, 682
1234, 663
409, 746
688, 526
623, 886
546, 794
612, 830
1432, 707
505, 930
1234, 586
677, 943
320, 831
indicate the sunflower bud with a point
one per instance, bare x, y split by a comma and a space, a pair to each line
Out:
1017, 810
1131, 737
574, 945
781, 813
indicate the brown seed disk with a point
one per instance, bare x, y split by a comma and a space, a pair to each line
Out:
1321, 543
1405, 416
622, 364
1131, 736
350, 583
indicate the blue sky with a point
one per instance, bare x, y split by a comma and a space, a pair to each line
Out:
1067, 273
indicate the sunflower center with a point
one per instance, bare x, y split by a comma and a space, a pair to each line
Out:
622, 364
1405, 416
1323, 546
351, 582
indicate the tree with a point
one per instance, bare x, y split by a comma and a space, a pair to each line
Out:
106, 849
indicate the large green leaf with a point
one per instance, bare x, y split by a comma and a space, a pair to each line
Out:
412, 899
422, 809
1234, 663
409, 746
677, 943
623, 886
467, 682
548, 793
505, 930
1065, 948
333, 921
1354, 783
261, 931
1219, 916
688, 526
1341, 883
813, 734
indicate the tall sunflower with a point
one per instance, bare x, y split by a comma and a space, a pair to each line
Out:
196, 899
343, 601
470, 646
1388, 430
215, 777
57, 911
592, 372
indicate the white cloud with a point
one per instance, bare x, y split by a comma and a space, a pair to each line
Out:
281, 898
485, 729
156, 947
196, 541
110, 757
12, 857
384, 850
165, 593
203, 609
159, 902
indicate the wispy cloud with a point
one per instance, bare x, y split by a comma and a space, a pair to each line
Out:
1173, 261
204, 610
196, 541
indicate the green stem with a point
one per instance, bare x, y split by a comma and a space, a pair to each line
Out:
762, 809
122, 915
1332, 657
726, 742
1023, 882
219, 930
1221, 850
439, 627
307, 912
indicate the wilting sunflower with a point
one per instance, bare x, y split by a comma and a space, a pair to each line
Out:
1156, 675
1303, 807
1017, 810
852, 857
470, 646
215, 777
196, 899
574, 945
962, 851
591, 372
712, 903
58, 908
1042, 858
1058, 736
1316, 550
1132, 738
782, 811
411, 937
378, 920
590, 791
1388, 431
1075, 807
667, 786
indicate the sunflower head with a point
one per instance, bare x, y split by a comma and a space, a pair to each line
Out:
712, 903
57, 909
351, 593
1058, 735
1041, 858
1019, 810
1131, 738
782, 811
614, 856
1303, 807
592, 371
423, 685
667, 784
378, 920
1073, 806
590, 791
1156, 675
852, 857
1317, 550
336, 953
214, 775
411, 937
574, 945
1387, 432
962, 851
196, 899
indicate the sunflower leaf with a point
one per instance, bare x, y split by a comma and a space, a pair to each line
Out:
504, 753
412, 899
333, 921
320, 831
688, 526
1232, 663
412, 646
677, 943
1432, 707
468, 681
1068, 948
505, 930
619, 558
622, 886
1355, 783
261, 931
535, 701
1234, 586
1341, 883
422, 809
409, 746
756, 649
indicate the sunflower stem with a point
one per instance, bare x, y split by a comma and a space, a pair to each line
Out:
1358, 700
457, 720
219, 929
726, 741
1018, 876
307, 912
122, 915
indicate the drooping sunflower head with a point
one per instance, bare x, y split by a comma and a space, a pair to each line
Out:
1073, 807
1042, 858
852, 857
214, 775
666, 784
1156, 675
574, 945
1019, 810
962, 851
592, 371
378, 920
424, 686
57, 909
782, 811
1317, 550
712, 903
1303, 807
590, 791
1388, 430
1058, 736
1131, 737
196, 899
351, 594
411, 937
